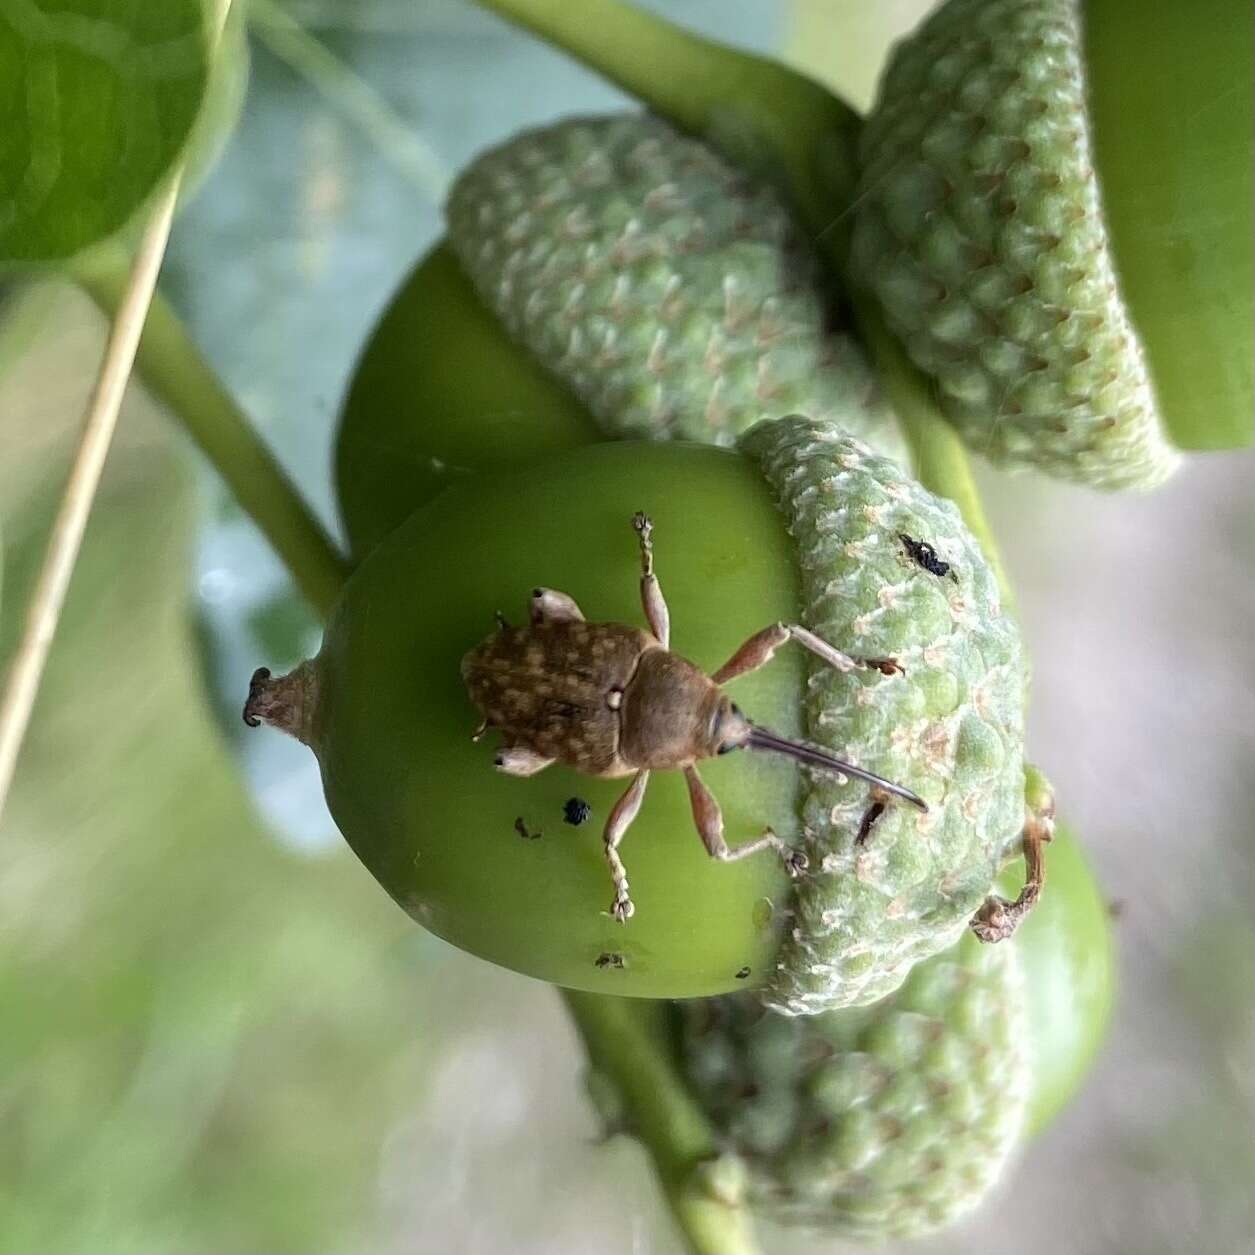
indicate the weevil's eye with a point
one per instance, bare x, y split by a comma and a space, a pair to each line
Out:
726, 748
736, 710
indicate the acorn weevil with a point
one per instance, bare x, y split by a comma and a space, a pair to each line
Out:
612, 700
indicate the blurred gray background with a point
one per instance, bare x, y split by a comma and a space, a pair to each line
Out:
329, 1076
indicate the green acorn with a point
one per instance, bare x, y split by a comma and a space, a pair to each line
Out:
864, 556
1001, 127
671, 292
886, 1122
441, 391
895, 1119
686, 304
980, 228
802, 525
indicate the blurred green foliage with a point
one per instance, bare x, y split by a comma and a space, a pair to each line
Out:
191, 1058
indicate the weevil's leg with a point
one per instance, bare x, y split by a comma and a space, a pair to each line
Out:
550, 606
518, 760
621, 816
997, 918
656, 613
479, 731
761, 648
754, 653
709, 820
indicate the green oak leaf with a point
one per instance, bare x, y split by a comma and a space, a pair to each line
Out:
97, 100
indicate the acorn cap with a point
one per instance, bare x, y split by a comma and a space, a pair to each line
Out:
669, 290
980, 229
889, 886
886, 1122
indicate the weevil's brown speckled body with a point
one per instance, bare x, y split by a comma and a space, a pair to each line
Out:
605, 698
612, 700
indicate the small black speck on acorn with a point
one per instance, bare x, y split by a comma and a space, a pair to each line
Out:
924, 555
873, 813
576, 811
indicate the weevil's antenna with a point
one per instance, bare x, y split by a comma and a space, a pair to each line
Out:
764, 739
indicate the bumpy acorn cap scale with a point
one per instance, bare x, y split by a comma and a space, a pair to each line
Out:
980, 230
888, 889
671, 292
886, 1122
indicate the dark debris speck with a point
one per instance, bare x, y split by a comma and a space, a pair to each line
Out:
575, 811
924, 555
520, 826
870, 815
743, 973
610, 959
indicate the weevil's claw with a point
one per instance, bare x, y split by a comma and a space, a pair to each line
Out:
622, 908
886, 666
643, 524
996, 920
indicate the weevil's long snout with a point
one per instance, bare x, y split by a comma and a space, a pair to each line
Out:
812, 755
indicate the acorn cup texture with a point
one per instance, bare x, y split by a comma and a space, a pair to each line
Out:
887, 885
890, 1121
671, 292
980, 230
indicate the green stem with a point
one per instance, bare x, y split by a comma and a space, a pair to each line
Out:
628, 1042
764, 116
174, 370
